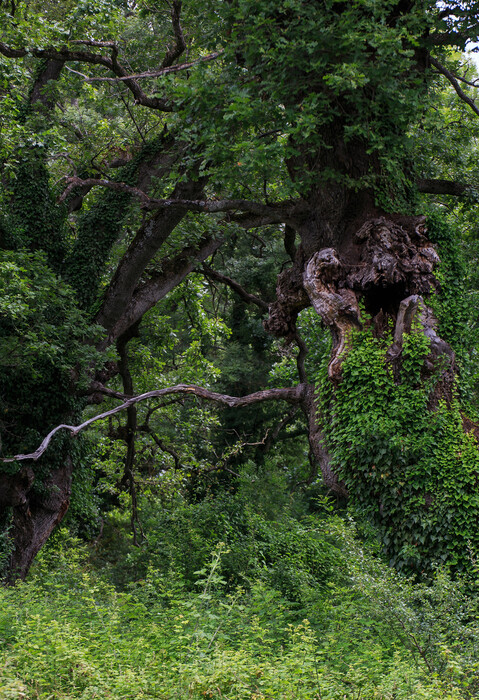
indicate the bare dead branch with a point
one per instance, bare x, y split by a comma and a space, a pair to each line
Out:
110, 184
276, 210
455, 84
152, 73
91, 42
293, 395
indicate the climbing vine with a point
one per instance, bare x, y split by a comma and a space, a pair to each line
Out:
411, 470
405, 458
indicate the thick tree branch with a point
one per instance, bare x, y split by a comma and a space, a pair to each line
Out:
155, 160
428, 186
180, 44
275, 211
39, 95
293, 395
159, 285
246, 296
64, 55
147, 242
455, 84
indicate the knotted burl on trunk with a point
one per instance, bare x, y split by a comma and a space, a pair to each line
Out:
387, 265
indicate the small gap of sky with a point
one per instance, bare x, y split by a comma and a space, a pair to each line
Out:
473, 55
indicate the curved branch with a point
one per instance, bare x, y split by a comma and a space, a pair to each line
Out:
293, 395
455, 84
275, 210
112, 64
235, 286
180, 44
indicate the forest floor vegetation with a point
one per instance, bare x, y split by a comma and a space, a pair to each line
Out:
225, 601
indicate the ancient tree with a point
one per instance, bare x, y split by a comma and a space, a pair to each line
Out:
239, 116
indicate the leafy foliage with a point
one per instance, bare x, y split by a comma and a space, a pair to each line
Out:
362, 629
411, 468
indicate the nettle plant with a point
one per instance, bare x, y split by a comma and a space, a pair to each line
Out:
403, 454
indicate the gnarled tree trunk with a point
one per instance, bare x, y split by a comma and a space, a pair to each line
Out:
382, 263
35, 512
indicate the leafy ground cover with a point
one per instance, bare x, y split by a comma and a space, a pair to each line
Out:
310, 613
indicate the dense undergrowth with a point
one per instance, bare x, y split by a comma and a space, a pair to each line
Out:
223, 601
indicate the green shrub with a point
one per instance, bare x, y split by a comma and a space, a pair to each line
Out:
365, 632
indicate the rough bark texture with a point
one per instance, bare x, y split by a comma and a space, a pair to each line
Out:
318, 447
148, 293
145, 245
387, 264
36, 512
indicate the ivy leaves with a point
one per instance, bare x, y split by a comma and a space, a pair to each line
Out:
39, 316
409, 469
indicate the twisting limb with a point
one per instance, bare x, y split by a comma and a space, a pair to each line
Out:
455, 84
293, 395
180, 44
210, 206
152, 73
